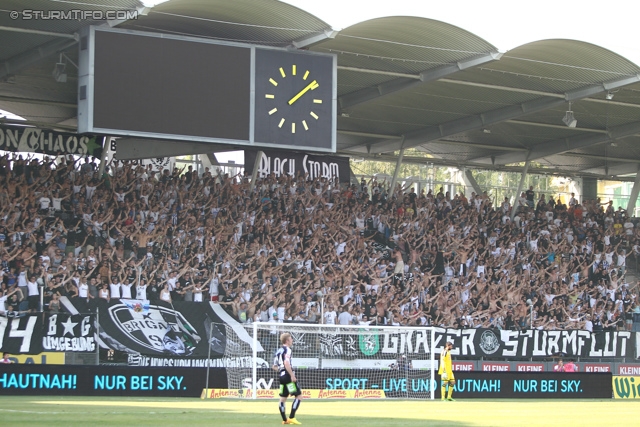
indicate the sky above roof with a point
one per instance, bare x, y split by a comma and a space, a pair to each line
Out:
504, 23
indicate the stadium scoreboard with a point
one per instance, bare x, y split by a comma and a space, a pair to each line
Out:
153, 85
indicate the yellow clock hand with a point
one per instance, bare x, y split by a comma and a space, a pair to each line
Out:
311, 86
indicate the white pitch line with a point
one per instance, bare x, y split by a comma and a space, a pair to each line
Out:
67, 412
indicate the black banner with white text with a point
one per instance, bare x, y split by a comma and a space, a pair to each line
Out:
59, 332
486, 343
21, 334
25, 139
537, 343
282, 163
179, 330
61, 380
66, 332
161, 334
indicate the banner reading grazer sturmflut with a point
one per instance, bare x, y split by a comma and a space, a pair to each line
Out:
291, 163
45, 141
480, 343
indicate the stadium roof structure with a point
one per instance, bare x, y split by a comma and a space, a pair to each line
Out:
403, 82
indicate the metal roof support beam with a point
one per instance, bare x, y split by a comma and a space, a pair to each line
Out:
597, 157
327, 33
103, 158
558, 146
499, 87
485, 146
514, 208
548, 125
38, 101
256, 167
379, 72
588, 91
213, 159
608, 172
370, 93
129, 15
33, 56
368, 134
40, 124
470, 181
396, 172
633, 197
593, 89
463, 124
404, 83
595, 173
38, 32
474, 122
442, 141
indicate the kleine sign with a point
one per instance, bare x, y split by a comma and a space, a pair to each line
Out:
629, 370
530, 367
496, 367
462, 366
597, 367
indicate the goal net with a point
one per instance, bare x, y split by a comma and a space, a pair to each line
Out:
336, 361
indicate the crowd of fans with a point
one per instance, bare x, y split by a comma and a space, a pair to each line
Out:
288, 248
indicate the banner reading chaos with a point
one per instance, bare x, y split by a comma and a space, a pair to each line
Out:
282, 163
45, 141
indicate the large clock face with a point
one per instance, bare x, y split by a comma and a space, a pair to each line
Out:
287, 104
294, 99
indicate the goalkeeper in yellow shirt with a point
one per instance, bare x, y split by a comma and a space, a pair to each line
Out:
446, 373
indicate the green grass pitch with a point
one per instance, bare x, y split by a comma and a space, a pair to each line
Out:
137, 412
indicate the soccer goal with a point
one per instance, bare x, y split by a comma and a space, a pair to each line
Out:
336, 361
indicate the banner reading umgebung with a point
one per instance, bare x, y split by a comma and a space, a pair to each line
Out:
55, 332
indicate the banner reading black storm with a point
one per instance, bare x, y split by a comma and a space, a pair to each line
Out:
282, 163
45, 141
58, 332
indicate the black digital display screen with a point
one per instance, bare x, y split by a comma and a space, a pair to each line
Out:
169, 86
189, 382
78, 380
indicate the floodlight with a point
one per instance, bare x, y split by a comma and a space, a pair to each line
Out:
59, 71
569, 119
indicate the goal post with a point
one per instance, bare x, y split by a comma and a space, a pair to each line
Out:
336, 361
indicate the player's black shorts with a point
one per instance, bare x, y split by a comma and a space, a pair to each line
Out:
288, 387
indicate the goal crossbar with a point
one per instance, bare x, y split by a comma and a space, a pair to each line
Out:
399, 360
